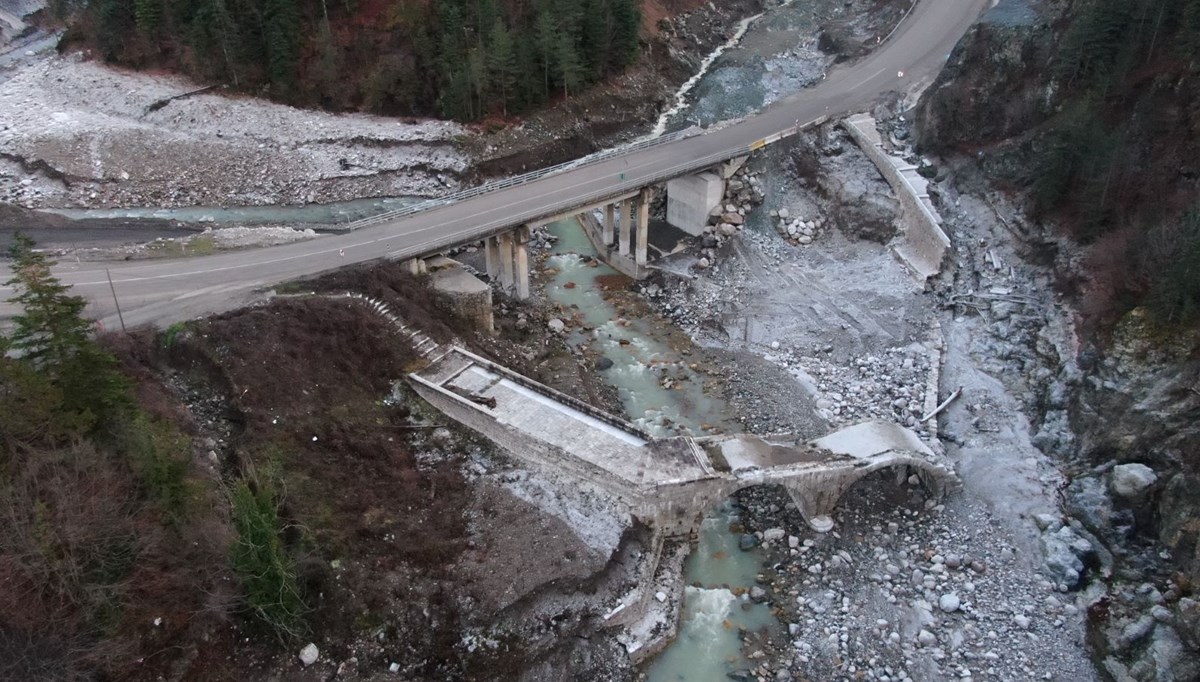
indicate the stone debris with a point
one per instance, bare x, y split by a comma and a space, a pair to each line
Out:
309, 654
898, 593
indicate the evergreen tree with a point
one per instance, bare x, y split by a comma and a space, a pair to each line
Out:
627, 22
149, 16
51, 334
281, 35
51, 329
570, 69
502, 66
546, 37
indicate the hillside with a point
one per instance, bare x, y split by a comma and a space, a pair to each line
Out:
451, 58
1090, 109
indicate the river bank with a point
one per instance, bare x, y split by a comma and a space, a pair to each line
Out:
77, 134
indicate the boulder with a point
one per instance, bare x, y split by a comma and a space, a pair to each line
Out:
1063, 550
1132, 480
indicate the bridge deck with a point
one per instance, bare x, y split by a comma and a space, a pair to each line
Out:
570, 427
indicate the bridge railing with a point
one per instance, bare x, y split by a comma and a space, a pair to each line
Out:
519, 179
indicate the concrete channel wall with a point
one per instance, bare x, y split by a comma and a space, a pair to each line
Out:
924, 244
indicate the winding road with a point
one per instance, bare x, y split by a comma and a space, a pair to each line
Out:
160, 292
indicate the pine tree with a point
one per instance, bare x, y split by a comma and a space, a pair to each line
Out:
546, 37
627, 22
570, 69
502, 66
51, 334
51, 329
149, 16
281, 36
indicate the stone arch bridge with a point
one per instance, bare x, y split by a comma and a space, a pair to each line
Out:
669, 483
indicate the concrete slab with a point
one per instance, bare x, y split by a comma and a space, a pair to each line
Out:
872, 438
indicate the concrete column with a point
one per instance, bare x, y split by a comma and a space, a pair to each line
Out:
522, 262
505, 243
416, 266
606, 236
643, 225
626, 210
491, 252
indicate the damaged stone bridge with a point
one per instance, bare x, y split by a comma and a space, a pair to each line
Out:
669, 483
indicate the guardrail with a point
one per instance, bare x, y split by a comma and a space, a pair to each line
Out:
519, 179
500, 225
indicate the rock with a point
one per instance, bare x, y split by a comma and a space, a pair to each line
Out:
1022, 621
603, 364
556, 325
660, 596
926, 638
703, 263
1062, 563
773, 534
805, 239
747, 542
783, 214
758, 594
949, 603
309, 654
1049, 522
793, 541
1172, 660
1131, 480
733, 219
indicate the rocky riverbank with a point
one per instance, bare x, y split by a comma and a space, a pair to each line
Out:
74, 133
905, 587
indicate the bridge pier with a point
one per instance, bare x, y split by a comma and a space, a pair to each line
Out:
491, 252
507, 257
625, 208
642, 227
416, 266
521, 261
606, 234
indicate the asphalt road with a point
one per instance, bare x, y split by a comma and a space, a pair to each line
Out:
164, 291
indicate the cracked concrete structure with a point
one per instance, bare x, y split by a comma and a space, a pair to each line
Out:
923, 245
668, 483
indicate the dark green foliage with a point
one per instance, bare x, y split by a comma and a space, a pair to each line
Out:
1116, 163
260, 559
1175, 297
52, 336
464, 59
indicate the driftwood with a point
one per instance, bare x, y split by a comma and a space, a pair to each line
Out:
159, 104
957, 392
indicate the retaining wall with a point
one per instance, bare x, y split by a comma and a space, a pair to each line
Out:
924, 243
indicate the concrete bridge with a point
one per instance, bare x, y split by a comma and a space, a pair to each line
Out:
669, 483
162, 292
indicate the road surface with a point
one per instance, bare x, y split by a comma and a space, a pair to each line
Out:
160, 292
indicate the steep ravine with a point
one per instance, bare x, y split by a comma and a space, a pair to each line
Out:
1111, 395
